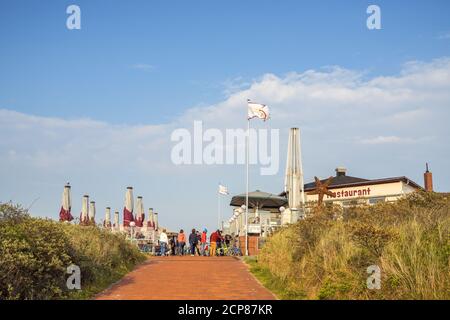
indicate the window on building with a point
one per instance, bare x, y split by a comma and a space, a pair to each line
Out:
349, 203
377, 199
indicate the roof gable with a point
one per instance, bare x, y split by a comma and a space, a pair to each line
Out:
337, 181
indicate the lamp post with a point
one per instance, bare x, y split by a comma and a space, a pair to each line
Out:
282, 209
151, 223
235, 221
244, 208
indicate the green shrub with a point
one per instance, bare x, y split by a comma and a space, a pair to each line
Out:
322, 257
33, 259
369, 237
35, 254
12, 213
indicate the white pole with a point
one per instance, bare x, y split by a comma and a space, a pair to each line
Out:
218, 210
246, 193
302, 184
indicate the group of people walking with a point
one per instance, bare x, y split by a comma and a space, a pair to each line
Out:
195, 244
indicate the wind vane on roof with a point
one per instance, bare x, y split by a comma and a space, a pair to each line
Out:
321, 189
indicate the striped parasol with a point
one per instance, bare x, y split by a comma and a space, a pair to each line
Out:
139, 209
66, 205
128, 208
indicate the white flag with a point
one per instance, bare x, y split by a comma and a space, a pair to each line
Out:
223, 189
257, 110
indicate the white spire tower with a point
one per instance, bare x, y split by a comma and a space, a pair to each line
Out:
293, 183
107, 223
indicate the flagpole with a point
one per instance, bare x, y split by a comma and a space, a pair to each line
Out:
246, 189
302, 185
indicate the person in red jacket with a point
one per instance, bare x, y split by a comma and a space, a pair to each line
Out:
203, 240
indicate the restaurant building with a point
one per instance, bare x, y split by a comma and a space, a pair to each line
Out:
349, 191
267, 215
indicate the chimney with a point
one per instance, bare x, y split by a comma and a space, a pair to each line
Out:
428, 180
340, 171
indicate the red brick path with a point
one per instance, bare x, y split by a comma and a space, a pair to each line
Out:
192, 278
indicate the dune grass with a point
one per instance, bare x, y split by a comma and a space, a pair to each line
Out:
325, 257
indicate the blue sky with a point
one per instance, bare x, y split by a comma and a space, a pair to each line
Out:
148, 63
192, 49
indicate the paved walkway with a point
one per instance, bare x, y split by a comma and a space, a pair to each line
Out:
190, 278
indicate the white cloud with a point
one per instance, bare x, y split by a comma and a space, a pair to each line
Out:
409, 117
342, 114
235, 85
444, 35
52, 143
388, 139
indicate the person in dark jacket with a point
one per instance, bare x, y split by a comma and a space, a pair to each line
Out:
193, 240
227, 240
173, 245
199, 239
219, 241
